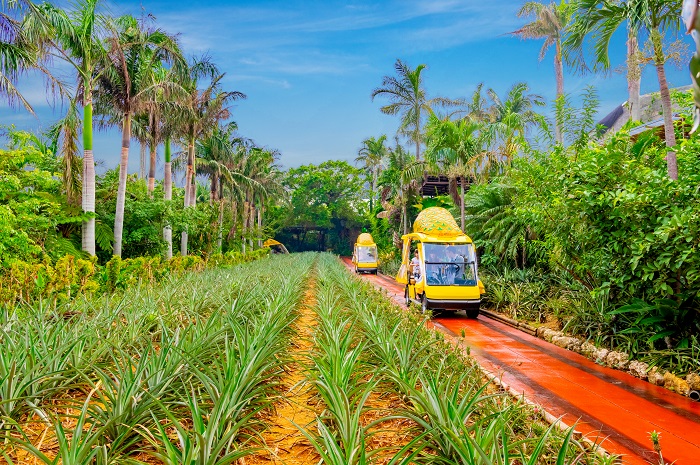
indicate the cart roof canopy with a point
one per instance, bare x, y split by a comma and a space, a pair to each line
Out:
271, 242
365, 239
436, 224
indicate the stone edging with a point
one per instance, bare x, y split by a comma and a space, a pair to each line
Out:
605, 357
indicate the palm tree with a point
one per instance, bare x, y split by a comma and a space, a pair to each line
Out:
599, 19
201, 111
455, 148
549, 24
512, 118
17, 55
491, 216
398, 183
407, 97
127, 84
371, 155
75, 37
66, 132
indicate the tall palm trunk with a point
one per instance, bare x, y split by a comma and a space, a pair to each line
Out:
461, 207
234, 217
375, 171
634, 75
152, 169
559, 73
260, 241
669, 132
193, 185
142, 162
188, 192
214, 189
416, 133
168, 195
121, 190
244, 225
219, 238
251, 223
88, 236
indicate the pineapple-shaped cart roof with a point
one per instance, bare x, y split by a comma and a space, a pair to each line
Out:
436, 221
365, 239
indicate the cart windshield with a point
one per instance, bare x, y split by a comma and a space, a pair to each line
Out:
450, 264
366, 253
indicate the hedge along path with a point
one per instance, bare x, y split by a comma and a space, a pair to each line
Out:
283, 441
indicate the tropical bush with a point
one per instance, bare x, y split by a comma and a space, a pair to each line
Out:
71, 277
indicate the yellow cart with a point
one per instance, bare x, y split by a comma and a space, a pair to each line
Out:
275, 246
438, 265
364, 255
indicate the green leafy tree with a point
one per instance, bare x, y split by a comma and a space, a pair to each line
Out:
325, 197
32, 207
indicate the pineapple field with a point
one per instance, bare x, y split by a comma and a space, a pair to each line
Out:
286, 360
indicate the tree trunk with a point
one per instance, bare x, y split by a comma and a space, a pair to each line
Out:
219, 239
559, 73
88, 200
375, 173
461, 207
405, 218
193, 186
214, 189
260, 241
234, 217
244, 225
188, 181
121, 189
669, 131
142, 163
168, 195
251, 223
634, 76
152, 169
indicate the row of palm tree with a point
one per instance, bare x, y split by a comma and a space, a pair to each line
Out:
477, 138
581, 31
134, 75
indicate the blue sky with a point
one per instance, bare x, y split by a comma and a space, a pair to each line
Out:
308, 67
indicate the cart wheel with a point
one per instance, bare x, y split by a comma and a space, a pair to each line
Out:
407, 299
424, 305
472, 313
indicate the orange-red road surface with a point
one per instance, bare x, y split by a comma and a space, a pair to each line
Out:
608, 406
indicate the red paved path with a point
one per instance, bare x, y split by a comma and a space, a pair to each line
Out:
607, 405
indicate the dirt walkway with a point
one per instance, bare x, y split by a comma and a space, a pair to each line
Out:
606, 405
285, 445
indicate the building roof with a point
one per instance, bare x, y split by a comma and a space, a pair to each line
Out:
650, 115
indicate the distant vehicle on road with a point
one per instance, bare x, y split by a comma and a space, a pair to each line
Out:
364, 255
275, 246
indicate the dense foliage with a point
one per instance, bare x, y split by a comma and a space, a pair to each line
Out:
325, 207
